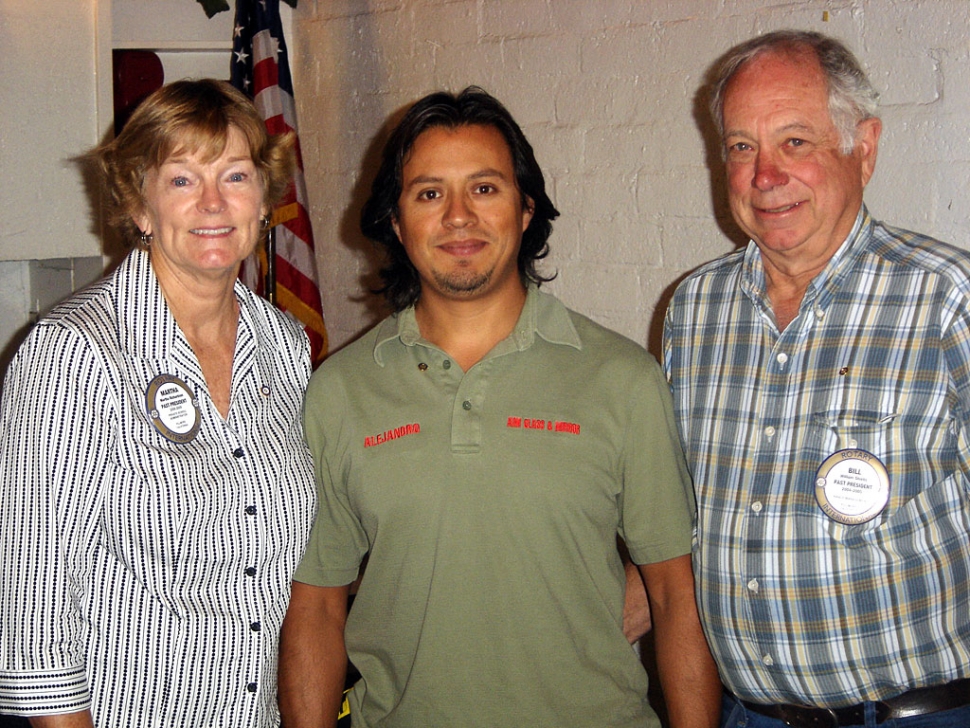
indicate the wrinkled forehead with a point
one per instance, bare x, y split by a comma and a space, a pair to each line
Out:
793, 62
774, 81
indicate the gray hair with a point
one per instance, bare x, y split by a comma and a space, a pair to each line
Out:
851, 96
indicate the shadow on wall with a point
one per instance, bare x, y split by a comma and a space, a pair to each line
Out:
372, 253
714, 161
350, 234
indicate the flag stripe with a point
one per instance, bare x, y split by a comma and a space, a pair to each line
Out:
300, 259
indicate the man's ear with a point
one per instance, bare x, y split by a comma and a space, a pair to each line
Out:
867, 146
528, 210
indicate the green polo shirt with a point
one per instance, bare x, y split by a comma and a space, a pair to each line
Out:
489, 502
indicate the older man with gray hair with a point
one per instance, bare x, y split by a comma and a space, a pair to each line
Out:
821, 377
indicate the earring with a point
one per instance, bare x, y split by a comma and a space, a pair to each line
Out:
264, 222
146, 239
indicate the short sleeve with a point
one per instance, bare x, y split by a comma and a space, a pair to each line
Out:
338, 542
657, 509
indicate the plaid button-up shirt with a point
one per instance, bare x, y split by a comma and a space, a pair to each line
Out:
798, 607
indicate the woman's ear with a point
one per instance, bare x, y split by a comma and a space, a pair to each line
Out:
142, 221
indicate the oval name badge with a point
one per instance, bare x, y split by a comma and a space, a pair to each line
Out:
852, 486
173, 408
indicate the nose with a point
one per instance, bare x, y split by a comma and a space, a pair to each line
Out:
768, 172
459, 212
211, 198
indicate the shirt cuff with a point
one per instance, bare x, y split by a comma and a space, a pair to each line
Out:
47, 692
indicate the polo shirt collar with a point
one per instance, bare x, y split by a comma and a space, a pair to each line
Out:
542, 315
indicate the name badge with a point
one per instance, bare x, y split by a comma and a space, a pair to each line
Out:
173, 409
852, 486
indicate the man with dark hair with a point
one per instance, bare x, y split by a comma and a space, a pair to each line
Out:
471, 107
483, 448
821, 379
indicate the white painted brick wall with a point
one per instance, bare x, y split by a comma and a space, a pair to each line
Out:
606, 91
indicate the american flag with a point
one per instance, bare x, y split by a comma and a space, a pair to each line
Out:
260, 69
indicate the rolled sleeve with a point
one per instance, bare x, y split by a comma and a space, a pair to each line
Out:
53, 411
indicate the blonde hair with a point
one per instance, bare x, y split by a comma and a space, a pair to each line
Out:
192, 117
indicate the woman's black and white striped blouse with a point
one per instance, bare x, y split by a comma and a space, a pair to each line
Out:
145, 572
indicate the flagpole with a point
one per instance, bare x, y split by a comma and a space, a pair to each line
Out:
270, 288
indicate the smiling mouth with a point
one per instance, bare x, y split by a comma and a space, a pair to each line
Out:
777, 210
463, 247
211, 231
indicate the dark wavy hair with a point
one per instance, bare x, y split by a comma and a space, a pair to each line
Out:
473, 106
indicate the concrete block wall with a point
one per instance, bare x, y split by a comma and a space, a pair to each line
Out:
607, 92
